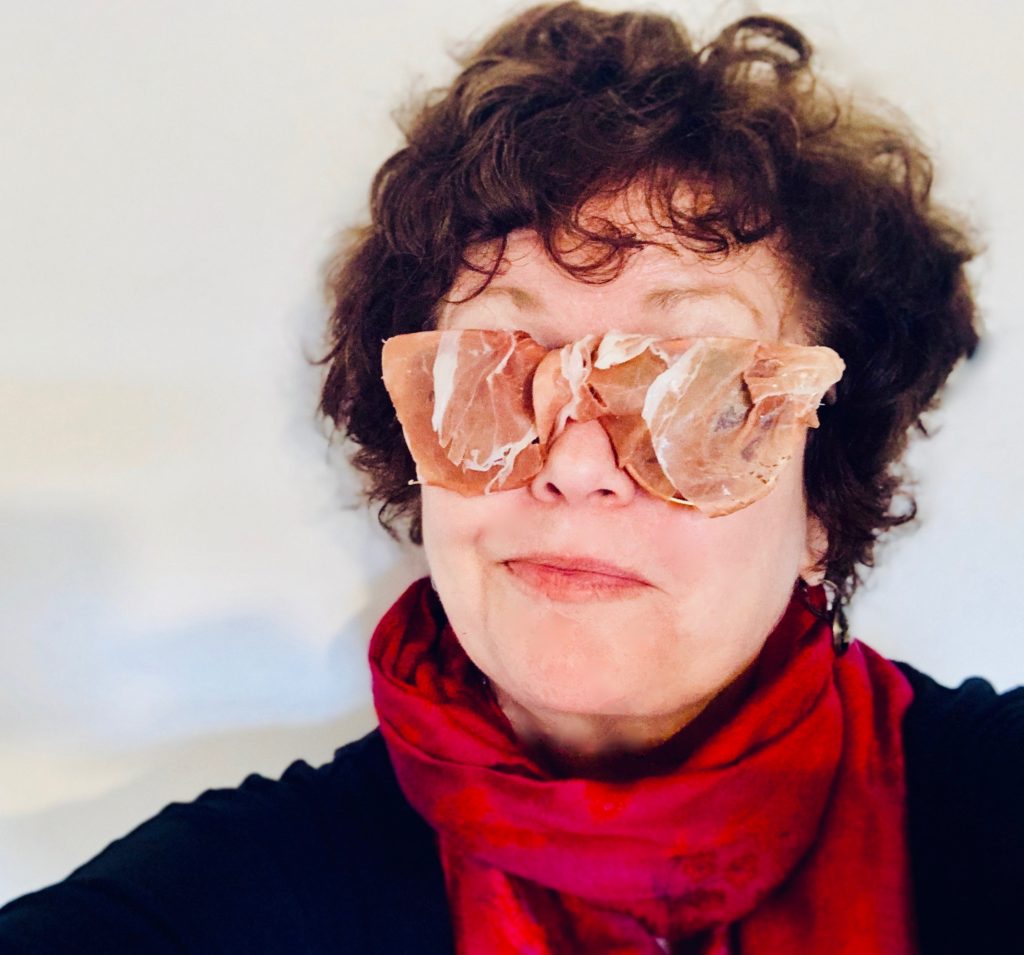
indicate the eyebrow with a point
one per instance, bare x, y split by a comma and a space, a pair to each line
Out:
523, 301
661, 299
665, 298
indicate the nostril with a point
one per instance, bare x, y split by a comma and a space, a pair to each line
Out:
552, 489
581, 466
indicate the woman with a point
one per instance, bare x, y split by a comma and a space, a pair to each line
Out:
616, 277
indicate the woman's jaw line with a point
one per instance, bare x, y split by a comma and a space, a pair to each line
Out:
618, 746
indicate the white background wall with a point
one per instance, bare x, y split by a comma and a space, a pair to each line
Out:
186, 589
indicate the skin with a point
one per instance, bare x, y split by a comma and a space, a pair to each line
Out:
593, 670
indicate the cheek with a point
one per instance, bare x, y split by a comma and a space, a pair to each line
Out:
453, 529
447, 530
771, 529
454, 532
744, 564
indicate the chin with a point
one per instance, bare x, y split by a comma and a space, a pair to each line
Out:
594, 698
556, 685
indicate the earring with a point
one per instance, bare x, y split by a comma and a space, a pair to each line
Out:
837, 617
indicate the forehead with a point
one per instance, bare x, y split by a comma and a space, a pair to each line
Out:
664, 289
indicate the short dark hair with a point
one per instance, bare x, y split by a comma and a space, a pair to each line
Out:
563, 104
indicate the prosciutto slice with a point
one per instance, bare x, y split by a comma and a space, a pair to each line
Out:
462, 398
727, 414
704, 421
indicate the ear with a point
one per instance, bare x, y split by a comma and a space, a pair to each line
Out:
812, 568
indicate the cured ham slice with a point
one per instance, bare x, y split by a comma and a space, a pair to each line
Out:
560, 389
704, 421
727, 414
462, 398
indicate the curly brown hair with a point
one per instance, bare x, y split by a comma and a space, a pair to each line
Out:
563, 104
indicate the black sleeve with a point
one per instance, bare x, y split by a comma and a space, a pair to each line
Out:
965, 781
325, 860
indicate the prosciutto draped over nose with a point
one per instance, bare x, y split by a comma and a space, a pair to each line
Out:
710, 421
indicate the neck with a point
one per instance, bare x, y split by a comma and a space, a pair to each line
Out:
619, 747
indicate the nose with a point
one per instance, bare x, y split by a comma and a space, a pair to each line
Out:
581, 469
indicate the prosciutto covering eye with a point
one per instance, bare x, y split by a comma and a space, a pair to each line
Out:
710, 421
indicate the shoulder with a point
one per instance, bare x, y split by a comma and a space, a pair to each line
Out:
964, 751
965, 737
974, 706
304, 863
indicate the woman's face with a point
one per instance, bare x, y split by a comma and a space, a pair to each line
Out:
581, 593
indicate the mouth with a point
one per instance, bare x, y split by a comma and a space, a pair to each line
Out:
575, 579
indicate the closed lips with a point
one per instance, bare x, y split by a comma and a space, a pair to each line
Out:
581, 565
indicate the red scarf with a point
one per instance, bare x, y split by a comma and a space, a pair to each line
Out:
783, 831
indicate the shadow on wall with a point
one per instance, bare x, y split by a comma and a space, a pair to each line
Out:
77, 673
37, 849
101, 725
